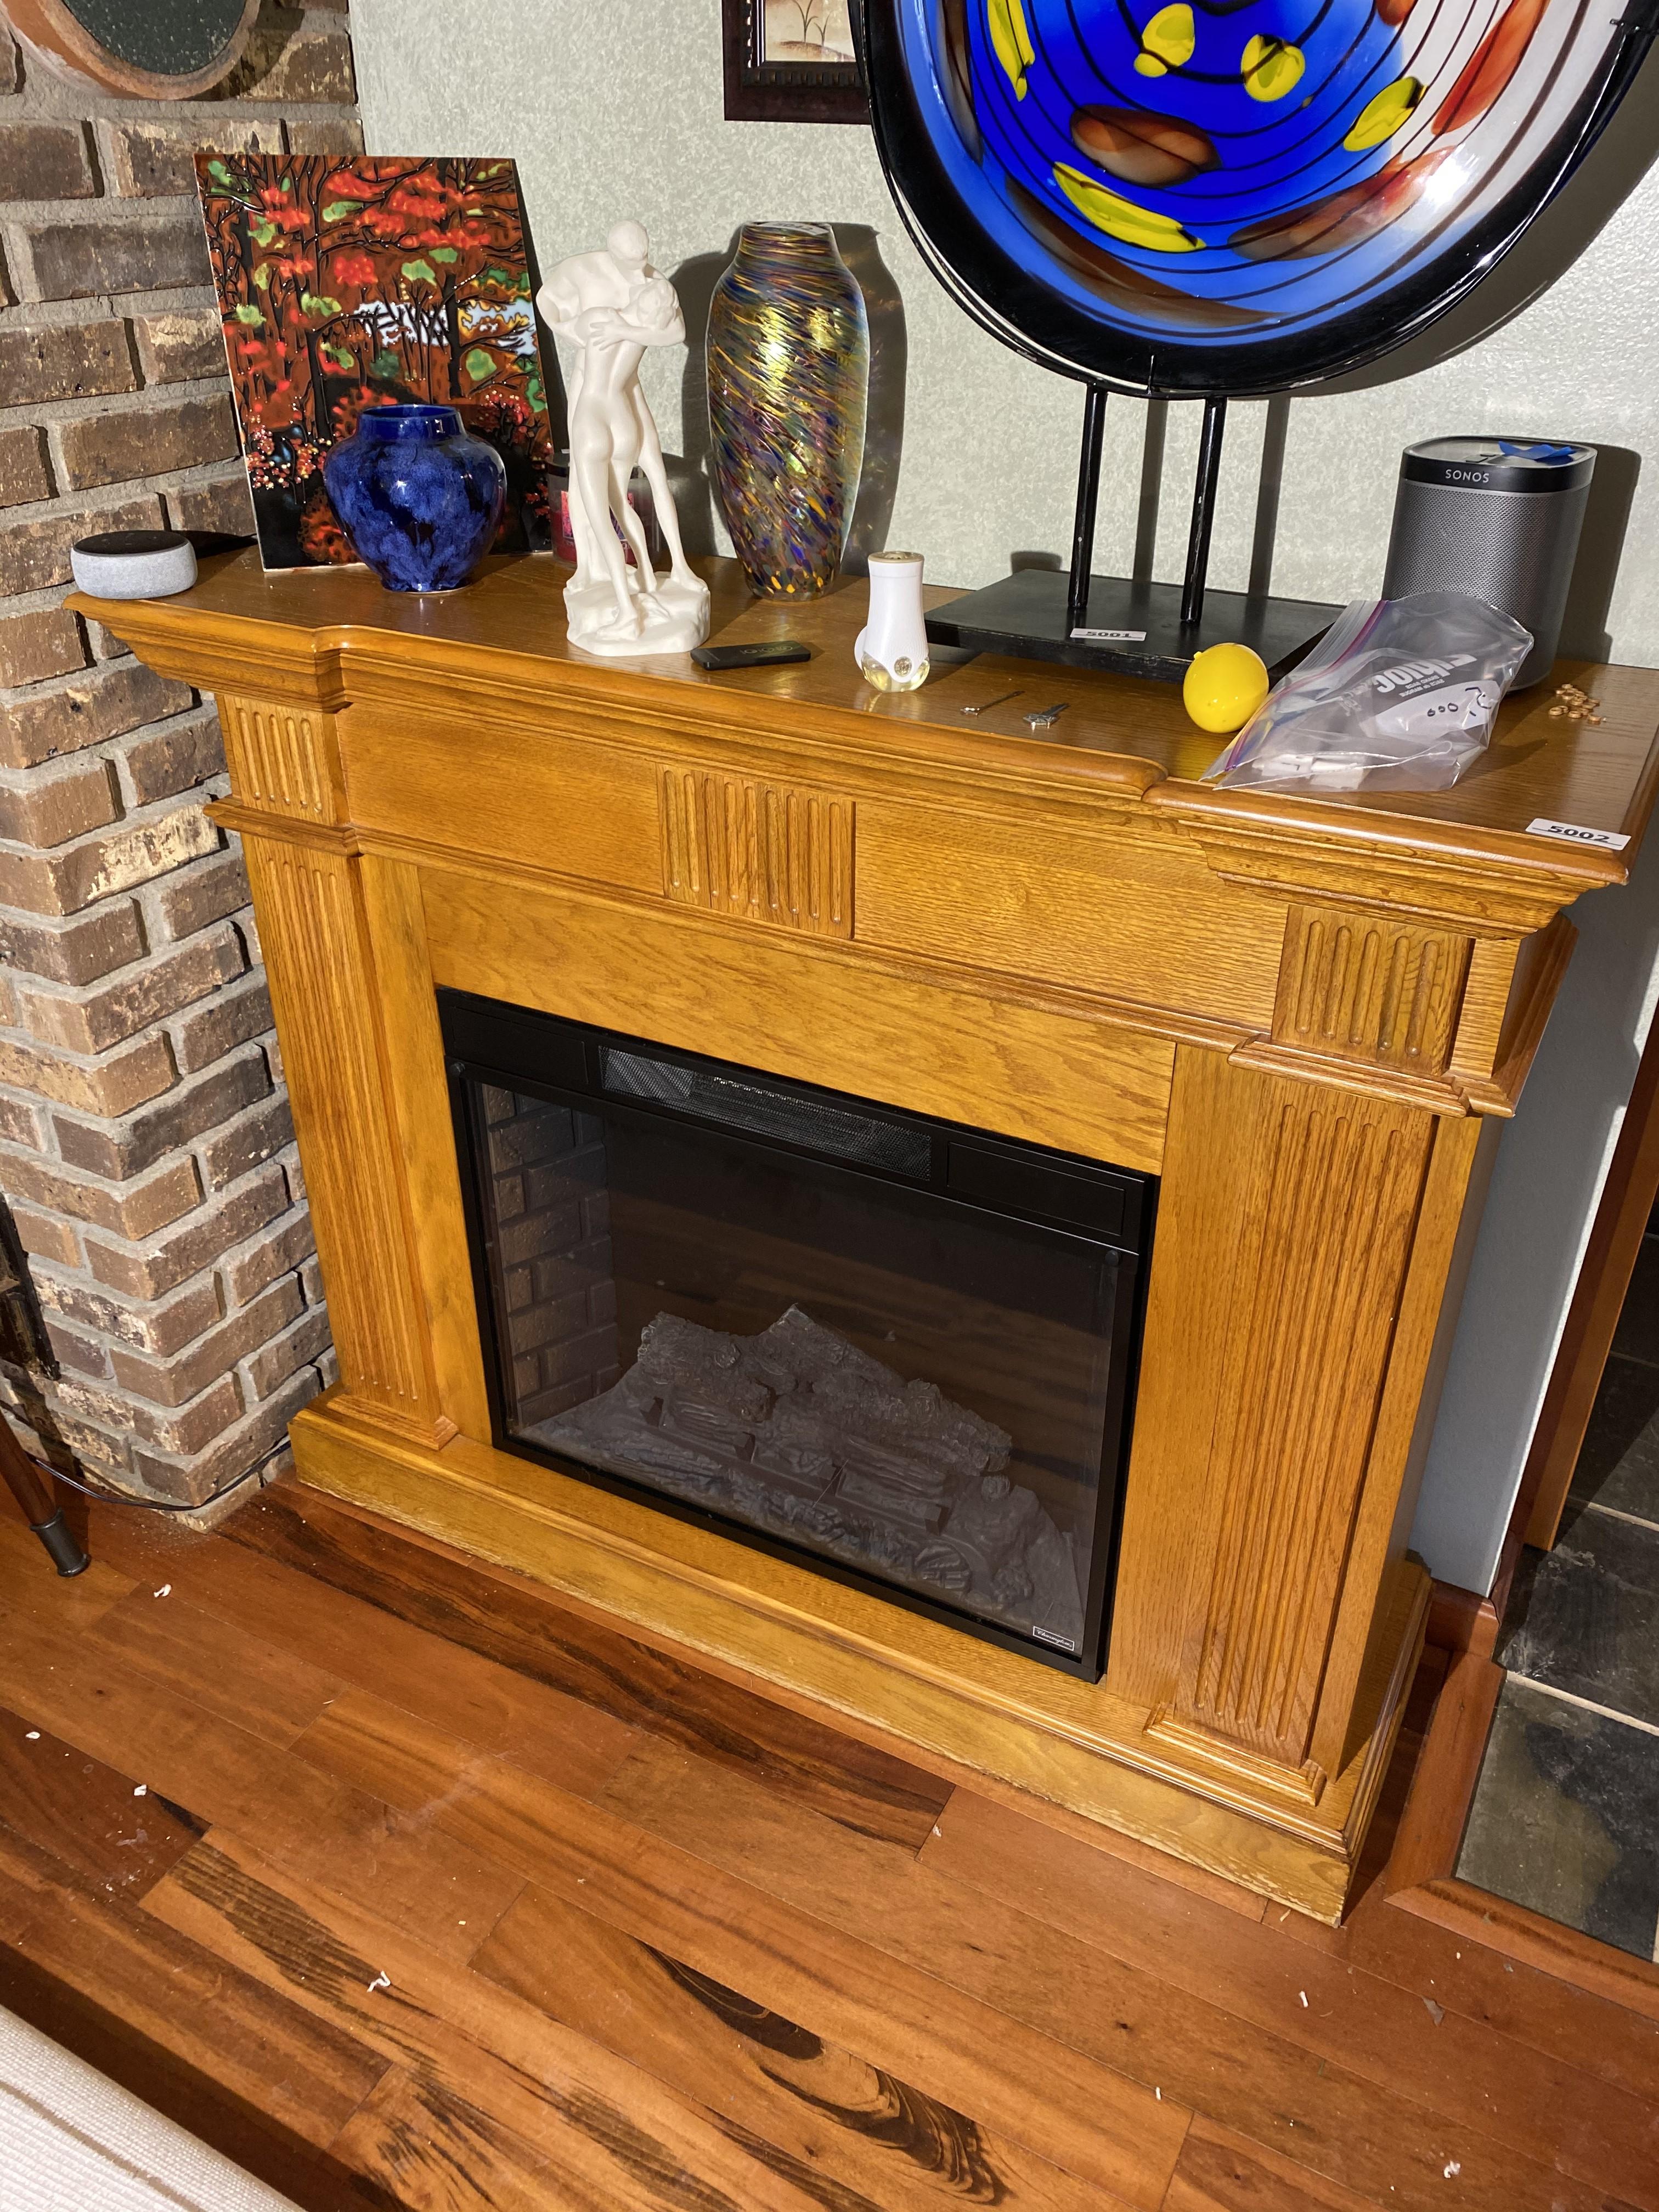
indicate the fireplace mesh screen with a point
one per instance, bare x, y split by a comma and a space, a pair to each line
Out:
768, 1308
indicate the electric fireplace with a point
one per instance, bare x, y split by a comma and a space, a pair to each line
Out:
897, 1349
807, 1388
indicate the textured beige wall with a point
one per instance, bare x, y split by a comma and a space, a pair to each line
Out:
614, 107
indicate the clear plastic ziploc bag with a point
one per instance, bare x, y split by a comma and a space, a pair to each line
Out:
1398, 695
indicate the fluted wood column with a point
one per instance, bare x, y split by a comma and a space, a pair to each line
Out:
309, 897
1297, 1282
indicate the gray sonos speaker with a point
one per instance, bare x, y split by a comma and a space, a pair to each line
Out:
1497, 518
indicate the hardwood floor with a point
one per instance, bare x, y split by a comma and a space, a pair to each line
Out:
408, 1887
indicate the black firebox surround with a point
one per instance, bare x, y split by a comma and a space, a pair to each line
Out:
487, 1041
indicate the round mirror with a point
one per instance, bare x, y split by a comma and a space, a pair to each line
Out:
148, 49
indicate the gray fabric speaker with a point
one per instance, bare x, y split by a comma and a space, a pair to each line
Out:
1499, 520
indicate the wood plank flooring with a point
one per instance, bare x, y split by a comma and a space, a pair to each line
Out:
408, 1885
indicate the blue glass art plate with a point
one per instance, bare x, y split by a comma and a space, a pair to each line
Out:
1230, 195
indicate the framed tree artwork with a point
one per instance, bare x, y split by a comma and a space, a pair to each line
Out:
791, 60
349, 284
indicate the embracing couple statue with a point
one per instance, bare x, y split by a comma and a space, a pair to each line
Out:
611, 306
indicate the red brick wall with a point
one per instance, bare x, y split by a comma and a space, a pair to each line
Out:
552, 1238
146, 1151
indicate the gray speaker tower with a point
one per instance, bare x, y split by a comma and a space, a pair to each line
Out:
1499, 520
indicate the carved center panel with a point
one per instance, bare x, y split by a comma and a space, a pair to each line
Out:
765, 852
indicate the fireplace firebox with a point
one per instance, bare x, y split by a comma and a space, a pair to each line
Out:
898, 1350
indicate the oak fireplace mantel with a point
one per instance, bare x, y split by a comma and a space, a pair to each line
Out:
1300, 1015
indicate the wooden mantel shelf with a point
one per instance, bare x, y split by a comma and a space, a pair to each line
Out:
1301, 1014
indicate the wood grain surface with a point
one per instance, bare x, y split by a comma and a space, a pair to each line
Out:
1052, 1072
338, 635
444, 1896
622, 1685
322, 978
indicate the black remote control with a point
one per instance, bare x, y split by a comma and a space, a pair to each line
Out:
749, 656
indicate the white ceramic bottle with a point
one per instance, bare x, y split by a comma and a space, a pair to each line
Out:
891, 650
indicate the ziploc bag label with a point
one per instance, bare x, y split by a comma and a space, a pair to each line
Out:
1608, 841
1419, 713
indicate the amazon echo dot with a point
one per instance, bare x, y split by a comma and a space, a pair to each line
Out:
1497, 518
134, 564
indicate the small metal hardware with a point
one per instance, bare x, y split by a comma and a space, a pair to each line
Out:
1046, 716
986, 705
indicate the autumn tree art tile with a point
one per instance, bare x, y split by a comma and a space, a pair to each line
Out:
345, 284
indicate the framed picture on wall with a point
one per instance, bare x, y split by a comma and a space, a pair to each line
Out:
791, 60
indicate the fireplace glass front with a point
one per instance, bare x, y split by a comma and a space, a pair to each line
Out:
895, 1349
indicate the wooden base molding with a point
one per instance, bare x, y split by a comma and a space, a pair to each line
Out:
1298, 1013
1201, 1748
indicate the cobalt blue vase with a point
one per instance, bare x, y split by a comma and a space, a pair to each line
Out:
420, 498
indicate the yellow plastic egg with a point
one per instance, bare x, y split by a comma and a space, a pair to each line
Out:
1224, 687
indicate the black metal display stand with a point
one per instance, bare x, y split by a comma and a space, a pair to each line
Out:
1138, 627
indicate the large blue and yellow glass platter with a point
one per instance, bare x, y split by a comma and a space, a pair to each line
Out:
1215, 197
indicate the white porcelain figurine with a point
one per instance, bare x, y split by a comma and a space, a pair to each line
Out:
892, 649
611, 306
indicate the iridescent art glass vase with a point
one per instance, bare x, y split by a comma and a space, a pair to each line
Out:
788, 385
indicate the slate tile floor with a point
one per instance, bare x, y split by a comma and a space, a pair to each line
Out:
1566, 1817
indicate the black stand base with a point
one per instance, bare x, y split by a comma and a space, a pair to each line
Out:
66, 1553
1027, 615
